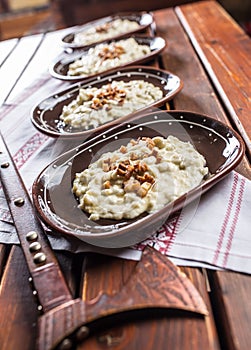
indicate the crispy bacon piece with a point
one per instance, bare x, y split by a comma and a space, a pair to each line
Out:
103, 28
111, 52
142, 181
111, 93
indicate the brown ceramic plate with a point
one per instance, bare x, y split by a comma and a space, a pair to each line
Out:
220, 145
60, 68
144, 20
45, 116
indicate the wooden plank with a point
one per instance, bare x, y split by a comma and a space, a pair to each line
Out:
71, 266
231, 297
231, 290
17, 304
228, 68
197, 94
3, 257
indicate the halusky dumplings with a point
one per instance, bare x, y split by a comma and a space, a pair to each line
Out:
105, 31
142, 176
96, 106
105, 56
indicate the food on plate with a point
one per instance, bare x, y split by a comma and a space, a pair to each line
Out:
105, 31
95, 106
142, 176
106, 56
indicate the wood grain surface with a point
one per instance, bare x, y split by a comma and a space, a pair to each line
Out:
228, 68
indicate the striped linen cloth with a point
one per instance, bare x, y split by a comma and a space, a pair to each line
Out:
215, 231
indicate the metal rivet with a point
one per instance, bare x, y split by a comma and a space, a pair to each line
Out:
5, 165
66, 344
39, 258
19, 201
35, 247
40, 307
82, 333
31, 236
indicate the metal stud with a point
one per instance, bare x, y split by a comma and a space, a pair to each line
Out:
19, 201
31, 236
40, 307
5, 165
39, 258
66, 344
82, 333
35, 247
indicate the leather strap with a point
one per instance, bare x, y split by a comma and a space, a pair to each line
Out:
43, 266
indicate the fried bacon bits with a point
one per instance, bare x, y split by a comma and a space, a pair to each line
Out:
111, 52
111, 93
103, 28
135, 177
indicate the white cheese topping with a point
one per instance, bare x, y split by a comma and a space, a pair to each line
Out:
105, 31
142, 176
107, 56
95, 106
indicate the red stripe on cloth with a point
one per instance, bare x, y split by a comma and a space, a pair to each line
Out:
226, 220
163, 238
28, 149
172, 235
234, 223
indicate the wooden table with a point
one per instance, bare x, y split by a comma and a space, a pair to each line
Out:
211, 54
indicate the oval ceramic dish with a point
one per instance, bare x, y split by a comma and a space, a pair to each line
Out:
58, 208
144, 20
45, 116
60, 68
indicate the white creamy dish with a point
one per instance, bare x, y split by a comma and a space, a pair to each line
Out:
142, 176
105, 31
105, 56
95, 106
